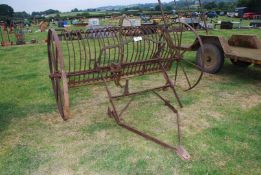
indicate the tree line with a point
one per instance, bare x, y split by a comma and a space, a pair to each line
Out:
7, 12
252, 5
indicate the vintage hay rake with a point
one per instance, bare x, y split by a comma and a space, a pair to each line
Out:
80, 58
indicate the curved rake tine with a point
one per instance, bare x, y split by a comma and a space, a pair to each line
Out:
197, 82
182, 54
186, 76
180, 38
199, 78
192, 64
176, 73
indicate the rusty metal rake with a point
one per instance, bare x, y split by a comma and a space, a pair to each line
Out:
6, 35
79, 58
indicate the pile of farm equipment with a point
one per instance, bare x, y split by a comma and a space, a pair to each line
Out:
12, 35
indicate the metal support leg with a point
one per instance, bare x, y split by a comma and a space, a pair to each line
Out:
171, 84
180, 151
126, 88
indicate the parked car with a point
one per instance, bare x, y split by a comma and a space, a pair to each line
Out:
222, 13
195, 14
249, 15
212, 14
239, 11
231, 14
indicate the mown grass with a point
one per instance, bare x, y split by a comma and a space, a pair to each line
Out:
220, 123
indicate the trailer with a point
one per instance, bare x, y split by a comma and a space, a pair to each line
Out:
242, 50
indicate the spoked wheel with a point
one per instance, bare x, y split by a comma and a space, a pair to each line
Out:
58, 75
187, 72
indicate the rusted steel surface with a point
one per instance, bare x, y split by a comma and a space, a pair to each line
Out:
245, 54
6, 35
246, 48
246, 41
78, 58
58, 75
118, 52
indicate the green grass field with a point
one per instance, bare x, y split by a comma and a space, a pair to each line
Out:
221, 122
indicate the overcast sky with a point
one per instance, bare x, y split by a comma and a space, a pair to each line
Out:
67, 5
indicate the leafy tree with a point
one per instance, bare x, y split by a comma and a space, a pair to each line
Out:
126, 9
36, 13
47, 12
221, 5
252, 5
243, 3
21, 15
6, 11
50, 11
168, 8
157, 8
211, 5
165, 7
75, 10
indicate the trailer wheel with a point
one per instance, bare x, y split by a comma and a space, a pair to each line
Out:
239, 63
213, 58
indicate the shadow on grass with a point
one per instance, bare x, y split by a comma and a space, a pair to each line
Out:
243, 74
238, 79
10, 111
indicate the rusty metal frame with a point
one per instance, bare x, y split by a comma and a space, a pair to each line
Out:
115, 54
113, 112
